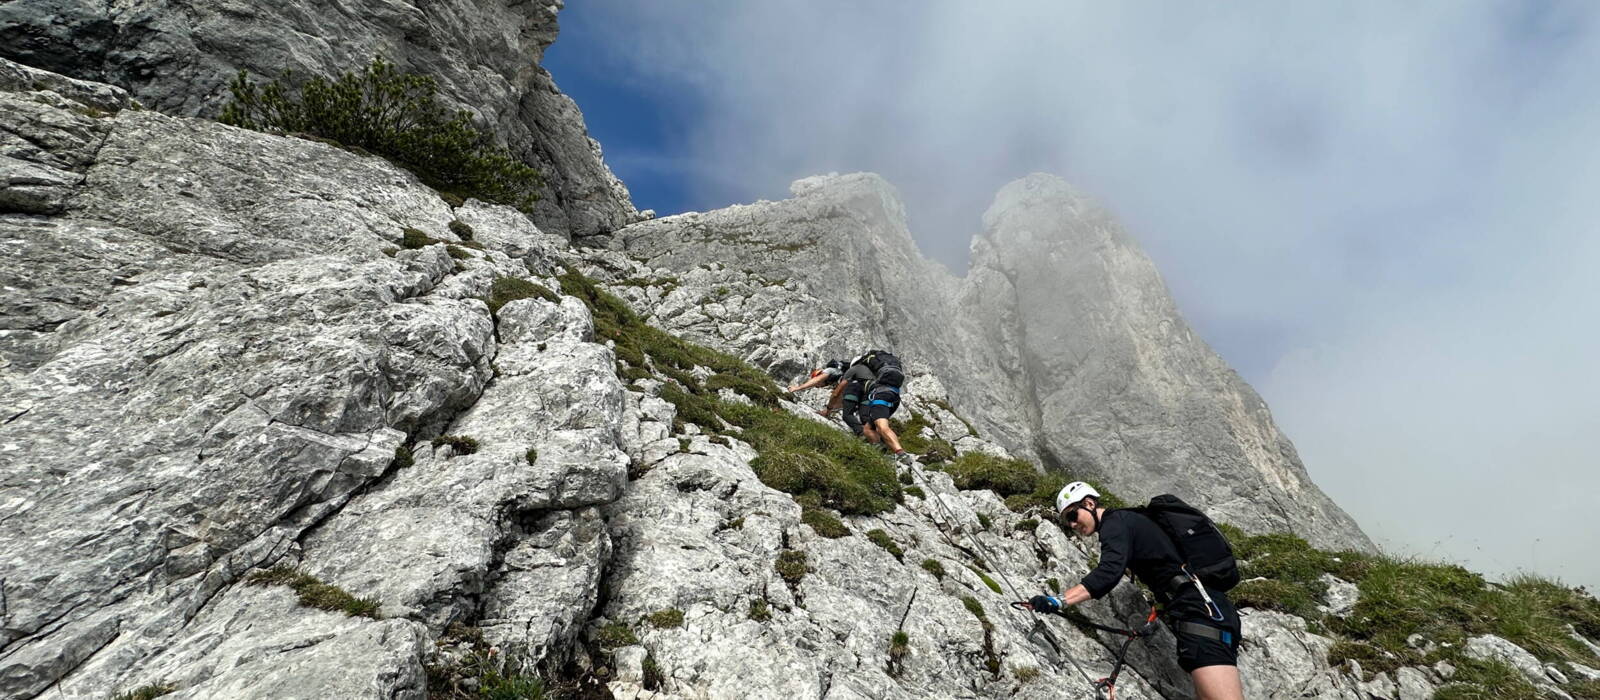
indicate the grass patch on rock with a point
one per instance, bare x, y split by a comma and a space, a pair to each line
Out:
882, 539
759, 611
313, 592
824, 523
986, 580
791, 566
669, 618
933, 566
899, 646
505, 290
1444, 604
917, 436
615, 635
146, 692
461, 444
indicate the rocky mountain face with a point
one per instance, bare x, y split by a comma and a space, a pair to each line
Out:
1061, 344
177, 57
224, 354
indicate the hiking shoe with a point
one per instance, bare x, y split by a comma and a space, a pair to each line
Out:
905, 458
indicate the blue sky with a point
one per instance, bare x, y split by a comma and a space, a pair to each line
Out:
1382, 214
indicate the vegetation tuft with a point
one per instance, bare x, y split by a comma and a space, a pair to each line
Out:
974, 607
505, 290
759, 611
1006, 477
146, 692
462, 444
614, 635
791, 566
918, 437
1444, 603
666, 619
1477, 679
899, 646
392, 114
882, 539
934, 567
412, 239
986, 580
314, 593
824, 523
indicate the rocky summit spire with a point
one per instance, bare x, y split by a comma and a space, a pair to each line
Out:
1119, 385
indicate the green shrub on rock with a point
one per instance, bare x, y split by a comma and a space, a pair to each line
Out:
1006, 477
824, 523
666, 619
392, 114
759, 611
882, 539
791, 566
147, 692
462, 444
313, 593
505, 290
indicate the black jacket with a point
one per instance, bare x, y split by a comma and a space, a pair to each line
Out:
1129, 540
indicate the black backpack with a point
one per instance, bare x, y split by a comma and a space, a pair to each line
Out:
886, 366
1199, 541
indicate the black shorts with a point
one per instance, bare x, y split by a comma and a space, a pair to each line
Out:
1195, 651
881, 403
1219, 643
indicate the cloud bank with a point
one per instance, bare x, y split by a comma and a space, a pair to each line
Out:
1384, 215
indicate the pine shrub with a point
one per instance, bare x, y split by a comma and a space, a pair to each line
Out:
393, 114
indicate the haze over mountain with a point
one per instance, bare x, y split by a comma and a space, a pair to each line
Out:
1380, 214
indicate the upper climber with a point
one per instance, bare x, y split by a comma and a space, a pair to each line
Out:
879, 396
1203, 620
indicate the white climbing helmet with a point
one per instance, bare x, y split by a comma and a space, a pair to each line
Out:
1074, 492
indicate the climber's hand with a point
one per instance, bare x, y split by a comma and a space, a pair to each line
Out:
1045, 604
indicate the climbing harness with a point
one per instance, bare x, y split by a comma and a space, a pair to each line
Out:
1212, 609
1108, 684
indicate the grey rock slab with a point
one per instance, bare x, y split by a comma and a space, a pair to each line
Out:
546, 586
1413, 684
1584, 672
1492, 648
1341, 596
18, 78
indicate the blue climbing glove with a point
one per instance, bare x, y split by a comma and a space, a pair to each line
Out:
1045, 603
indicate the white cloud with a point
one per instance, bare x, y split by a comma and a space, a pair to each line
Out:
1382, 213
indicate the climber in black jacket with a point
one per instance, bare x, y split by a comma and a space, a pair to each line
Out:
1204, 622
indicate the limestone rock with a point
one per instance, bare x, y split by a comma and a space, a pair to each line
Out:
1494, 648
177, 56
214, 349
1413, 684
1341, 597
